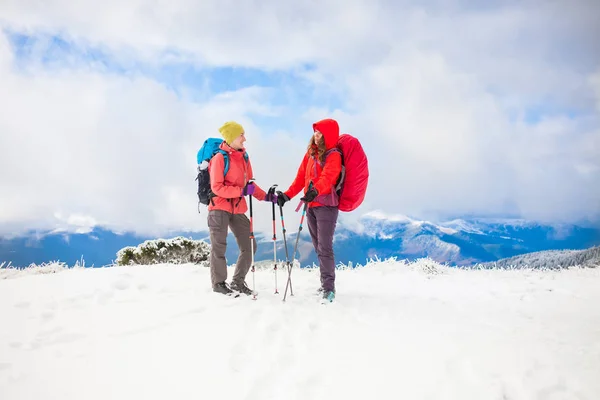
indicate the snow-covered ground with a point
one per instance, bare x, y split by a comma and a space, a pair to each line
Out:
396, 331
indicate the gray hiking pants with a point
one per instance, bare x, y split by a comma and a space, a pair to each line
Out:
218, 223
321, 225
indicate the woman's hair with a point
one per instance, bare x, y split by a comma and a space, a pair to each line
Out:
320, 148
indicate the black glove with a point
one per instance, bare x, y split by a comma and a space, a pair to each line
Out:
281, 198
310, 195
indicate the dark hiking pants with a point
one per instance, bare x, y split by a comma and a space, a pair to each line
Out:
218, 223
321, 225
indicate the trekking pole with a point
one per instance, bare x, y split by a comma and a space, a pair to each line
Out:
289, 281
287, 257
272, 193
252, 246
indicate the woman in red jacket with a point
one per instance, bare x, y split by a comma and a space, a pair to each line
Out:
317, 176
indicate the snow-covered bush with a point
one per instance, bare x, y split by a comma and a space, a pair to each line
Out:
548, 260
8, 271
178, 250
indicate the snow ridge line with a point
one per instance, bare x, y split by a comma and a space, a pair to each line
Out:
425, 266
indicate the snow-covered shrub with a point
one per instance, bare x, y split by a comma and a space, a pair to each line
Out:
428, 266
178, 250
548, 260
8, 271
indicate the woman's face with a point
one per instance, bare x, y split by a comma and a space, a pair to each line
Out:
318, 136
238, 143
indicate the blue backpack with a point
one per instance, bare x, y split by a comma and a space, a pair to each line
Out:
208, 150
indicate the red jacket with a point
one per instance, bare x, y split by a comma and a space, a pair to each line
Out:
323, 179
229, 188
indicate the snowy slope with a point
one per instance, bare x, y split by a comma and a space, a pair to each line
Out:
402, 331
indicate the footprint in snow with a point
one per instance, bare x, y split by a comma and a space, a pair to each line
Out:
105, 297
66, 338
121, 284
462, 369
557, 391
47, 316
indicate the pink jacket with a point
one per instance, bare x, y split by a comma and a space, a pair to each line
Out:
229, 189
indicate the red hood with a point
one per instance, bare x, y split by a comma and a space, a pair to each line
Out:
330, 130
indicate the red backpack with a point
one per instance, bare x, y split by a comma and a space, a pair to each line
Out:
354, 178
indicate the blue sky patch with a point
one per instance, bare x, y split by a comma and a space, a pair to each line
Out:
54, 52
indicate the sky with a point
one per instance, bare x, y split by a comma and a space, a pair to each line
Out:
462, 110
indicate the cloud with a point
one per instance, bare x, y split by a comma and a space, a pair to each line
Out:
476, 112
447, 147
595, 83
489, 110
120, 150
269, 34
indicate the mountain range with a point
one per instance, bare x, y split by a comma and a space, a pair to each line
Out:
461, 242
549, 259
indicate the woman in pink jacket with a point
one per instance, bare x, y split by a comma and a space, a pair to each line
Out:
228, 208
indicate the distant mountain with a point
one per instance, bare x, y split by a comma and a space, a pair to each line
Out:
551, 259
98, 247
459, 242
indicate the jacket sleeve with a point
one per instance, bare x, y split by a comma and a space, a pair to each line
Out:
329, 174
217, 180
299, 182
259, 194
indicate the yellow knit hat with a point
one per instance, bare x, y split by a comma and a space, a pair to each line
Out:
230, 131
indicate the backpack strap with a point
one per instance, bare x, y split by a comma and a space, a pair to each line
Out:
226, 169
341, 176
327, 153
226, 159
246, 160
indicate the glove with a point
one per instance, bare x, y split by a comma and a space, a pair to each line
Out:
310, 196
248, 189
272, 197
281, 198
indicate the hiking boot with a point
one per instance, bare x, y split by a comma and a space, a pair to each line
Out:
241, 287
328, 296
222, 287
